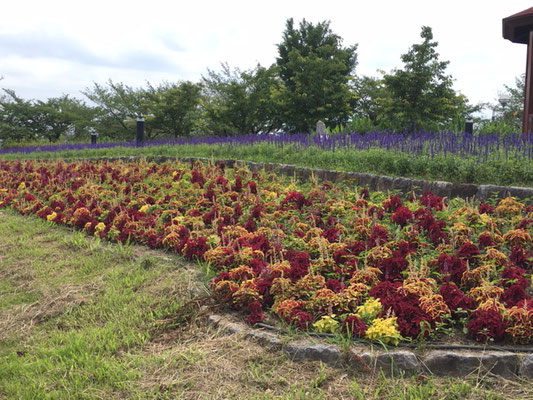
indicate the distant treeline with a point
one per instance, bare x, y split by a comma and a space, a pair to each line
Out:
312, 79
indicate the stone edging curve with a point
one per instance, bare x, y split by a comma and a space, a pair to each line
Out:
371, 181
456, 363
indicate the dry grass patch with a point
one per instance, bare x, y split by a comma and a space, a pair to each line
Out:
20, 319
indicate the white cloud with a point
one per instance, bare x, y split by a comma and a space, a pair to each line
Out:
54, 47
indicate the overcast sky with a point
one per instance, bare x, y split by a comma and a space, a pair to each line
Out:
50, 48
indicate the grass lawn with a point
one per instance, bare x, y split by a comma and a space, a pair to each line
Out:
84, 319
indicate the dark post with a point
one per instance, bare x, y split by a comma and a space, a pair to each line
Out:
469, 126
94, 135
140, 130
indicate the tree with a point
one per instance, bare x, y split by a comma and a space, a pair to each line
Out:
29, 119
316, 71
370, 95
241, 101
421, 94
118, 105
175, 107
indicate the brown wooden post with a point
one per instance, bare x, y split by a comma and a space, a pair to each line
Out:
528, 89
518, 28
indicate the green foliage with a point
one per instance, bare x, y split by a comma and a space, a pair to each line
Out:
506, 117
316, 71
370, 97
118, 103
241, 101
421, 94
51, 119
175, 108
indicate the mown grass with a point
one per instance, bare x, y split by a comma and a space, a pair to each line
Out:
84, 319
453, 168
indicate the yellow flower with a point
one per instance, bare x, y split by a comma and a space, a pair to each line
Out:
368, 311
327, 324
509, 206
144, 208
51, 216
100, 226
22, 186
384, 329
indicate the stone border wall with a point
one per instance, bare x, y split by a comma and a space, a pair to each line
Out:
371, 181
370, 359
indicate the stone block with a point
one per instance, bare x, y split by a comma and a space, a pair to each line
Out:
461, 363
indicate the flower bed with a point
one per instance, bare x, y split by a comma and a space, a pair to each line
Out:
319, 256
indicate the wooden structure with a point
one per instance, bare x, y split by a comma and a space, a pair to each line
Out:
518, 28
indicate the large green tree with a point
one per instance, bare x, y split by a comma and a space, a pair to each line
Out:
422, 94
241, 101
30, 119
316, 71
175, 107
119, 105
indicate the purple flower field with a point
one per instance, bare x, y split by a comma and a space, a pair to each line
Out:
483, 147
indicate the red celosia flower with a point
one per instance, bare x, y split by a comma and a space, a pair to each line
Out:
210, 195
486, 324
392, 204
468, 251
259, 242
384, 289
331, 234
356, 247
514, 294
298, 232
378, 236
44, 212
354, 325
486, 240
297, 199
238, 184
430, 200
257, 211
524, 224
255, 312
299, 318
195, 248
363, 193
209, 216
408, 312
220, 180
375, 212
29, 197
513, 275
250, 225
253, 187
485, 208
257, 266
194, 212
392, 267
81, 217
340, 256
237, 212
451, 268
402, 215
197, 177
454, 297
521, 257
299, 261
221, 276
405, 248
335, 285
431, 225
